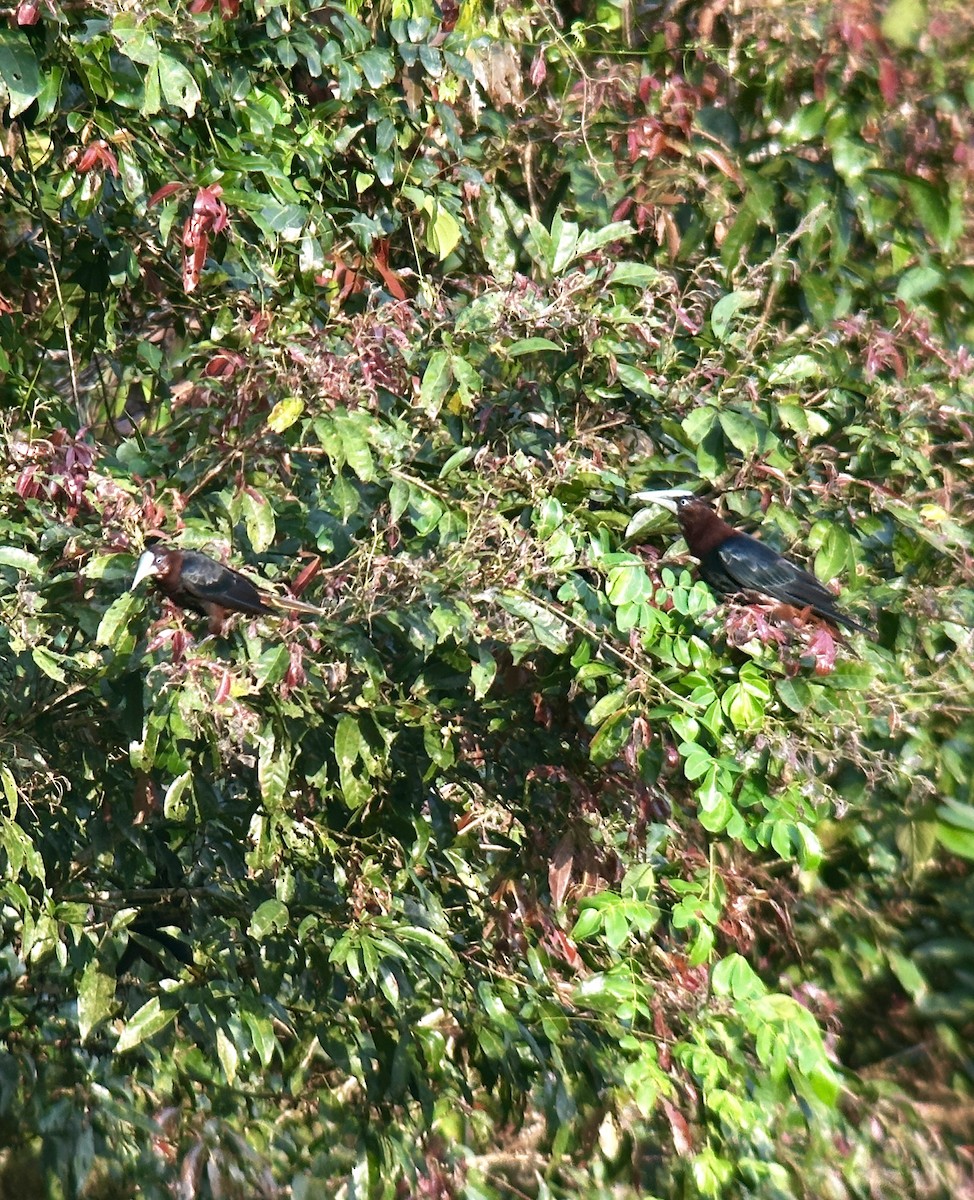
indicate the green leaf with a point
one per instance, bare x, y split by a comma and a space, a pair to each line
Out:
356, 451
699, 423
798, 368
150, 1019
286, 221
179, 88
117, 618
733, 976
636, 380
134, 39
633, 274
262, 1035
741, 430
957, 841
442, 232
377, 67
835, 555
955, 812
548, 629
904, 21
273, 774
20, 560
48, 663
271, 917
562, 245
611, 738
20, 79
606, 706
482, 672
226, 1052
175, 805
350, 748
727, 307
259, 520
589, 922
284, 413
793, 693
629, 583
9, 791
436, 383
530, 346
932, 207
910, 976
96, 996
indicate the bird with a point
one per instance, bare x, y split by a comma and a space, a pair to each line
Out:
732, 561
199, 583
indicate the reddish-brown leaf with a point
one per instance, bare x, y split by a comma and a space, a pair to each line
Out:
306, 575
145, 798
560, 869
889, 80
539, 70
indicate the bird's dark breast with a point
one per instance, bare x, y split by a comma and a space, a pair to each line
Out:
184, 599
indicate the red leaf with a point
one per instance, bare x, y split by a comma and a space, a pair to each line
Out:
389, 276
823, 647
224, 364
209, 215
223, 688
563, 946
167, 189
97, 154
28, 13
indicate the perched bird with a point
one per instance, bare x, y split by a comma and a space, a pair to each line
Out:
197, 582
731, 561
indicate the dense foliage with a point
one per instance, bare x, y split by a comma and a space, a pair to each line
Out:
530, 868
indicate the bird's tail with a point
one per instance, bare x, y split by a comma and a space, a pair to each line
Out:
840, 618
289, 604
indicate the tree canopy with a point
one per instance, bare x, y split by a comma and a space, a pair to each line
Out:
532, 867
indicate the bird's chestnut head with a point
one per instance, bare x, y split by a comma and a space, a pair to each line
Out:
696, 518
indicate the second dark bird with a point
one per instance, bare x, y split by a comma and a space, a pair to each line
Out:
732, 561
201, 584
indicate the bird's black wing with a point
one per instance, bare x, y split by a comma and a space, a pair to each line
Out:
753, 566
208, 581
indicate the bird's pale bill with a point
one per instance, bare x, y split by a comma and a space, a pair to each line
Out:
147, 566
665, 497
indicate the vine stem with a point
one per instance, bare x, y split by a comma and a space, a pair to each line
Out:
65, 323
